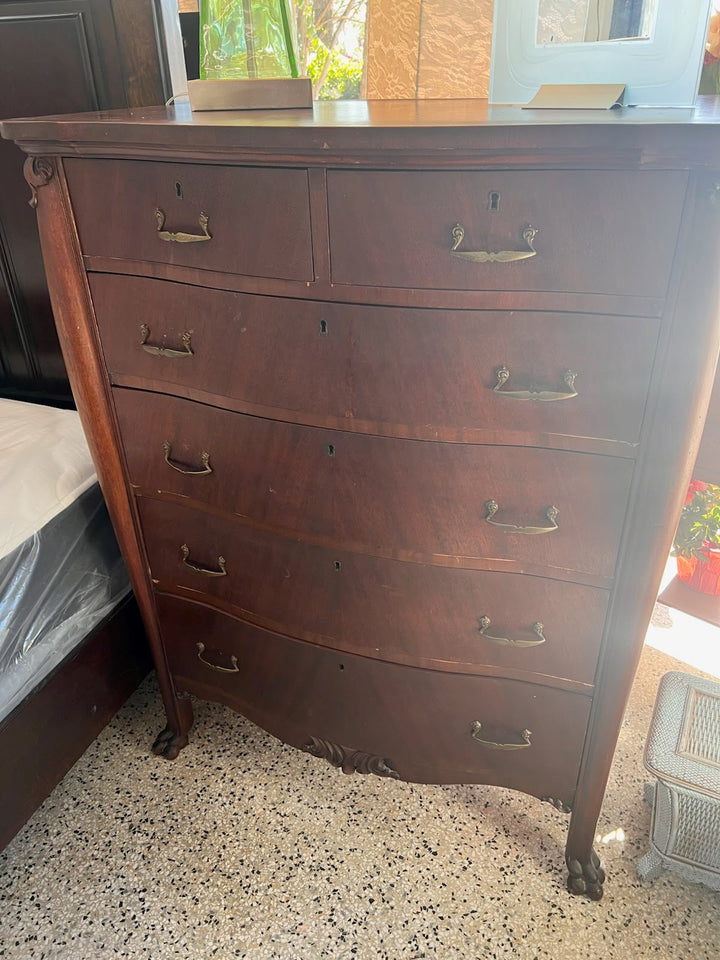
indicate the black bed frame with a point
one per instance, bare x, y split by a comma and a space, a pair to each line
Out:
52, 727
96, 54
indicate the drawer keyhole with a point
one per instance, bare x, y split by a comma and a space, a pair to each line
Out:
178, 190
338, 566
331, 450
493, 201
323, 328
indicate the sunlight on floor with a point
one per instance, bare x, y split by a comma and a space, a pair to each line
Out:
683, 637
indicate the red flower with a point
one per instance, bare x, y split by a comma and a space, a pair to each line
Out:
693, 488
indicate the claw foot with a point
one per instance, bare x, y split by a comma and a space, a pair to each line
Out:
587, 877
168, 744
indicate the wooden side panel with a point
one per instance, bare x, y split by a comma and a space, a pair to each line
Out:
77, 331
676, 410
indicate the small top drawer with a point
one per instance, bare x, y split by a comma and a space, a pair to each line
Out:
241, 220
609, 232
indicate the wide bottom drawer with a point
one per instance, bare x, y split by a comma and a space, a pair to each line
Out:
419, 725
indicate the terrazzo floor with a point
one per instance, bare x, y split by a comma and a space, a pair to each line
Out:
245, 848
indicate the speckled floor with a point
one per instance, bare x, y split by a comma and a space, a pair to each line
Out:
245, 848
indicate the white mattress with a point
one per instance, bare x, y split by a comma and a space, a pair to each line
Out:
45, 465
61, 572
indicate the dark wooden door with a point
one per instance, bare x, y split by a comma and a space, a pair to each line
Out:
61, 56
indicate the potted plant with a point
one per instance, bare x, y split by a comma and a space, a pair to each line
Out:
697, 538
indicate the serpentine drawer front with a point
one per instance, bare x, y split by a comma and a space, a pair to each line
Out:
393, 406
419, 373
419, 614
308, 694
548, 509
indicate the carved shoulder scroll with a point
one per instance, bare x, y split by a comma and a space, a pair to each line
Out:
38, 172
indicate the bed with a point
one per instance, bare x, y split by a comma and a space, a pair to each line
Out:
72, 646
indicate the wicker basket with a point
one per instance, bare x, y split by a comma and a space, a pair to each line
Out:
683, 752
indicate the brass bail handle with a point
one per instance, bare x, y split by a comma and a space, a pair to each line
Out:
167, 352
201, 472
180, 237
537, 628
529, 393
205, 571
492, 508
214, 666
487, 256
476, 729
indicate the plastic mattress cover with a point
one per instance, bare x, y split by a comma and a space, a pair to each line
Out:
61, 572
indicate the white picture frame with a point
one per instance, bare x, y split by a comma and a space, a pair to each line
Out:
661, 71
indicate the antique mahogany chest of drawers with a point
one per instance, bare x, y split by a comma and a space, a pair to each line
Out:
393, 405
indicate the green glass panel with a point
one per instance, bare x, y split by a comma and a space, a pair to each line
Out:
242, 39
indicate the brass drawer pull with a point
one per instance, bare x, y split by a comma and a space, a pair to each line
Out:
204, 457
213, 666
222, 572
492, 508
167, 352
503, 375
486, 256
182, 237
493, 744
537, 629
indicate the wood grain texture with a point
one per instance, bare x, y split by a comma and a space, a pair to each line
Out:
382, 529
247, 233
676, 414
418, 719
145, 47
395, 498
412, 613
322, 288
428, 48
404, 373
72, 307
410, 134
399, 242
